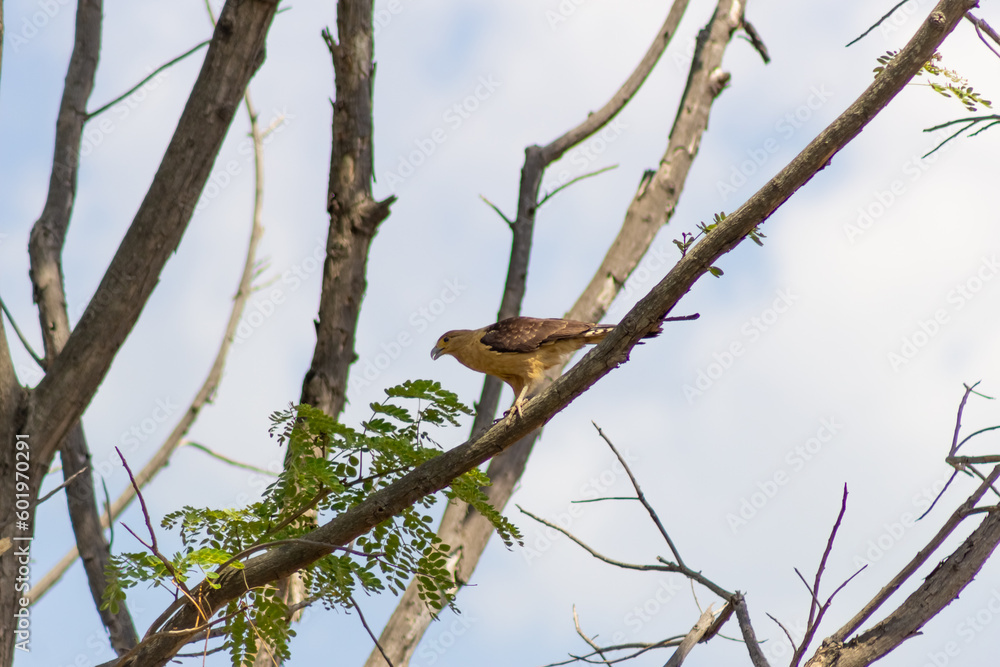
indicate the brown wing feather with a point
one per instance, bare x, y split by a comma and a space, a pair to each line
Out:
525, 334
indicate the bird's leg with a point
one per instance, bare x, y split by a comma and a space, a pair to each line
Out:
518, 402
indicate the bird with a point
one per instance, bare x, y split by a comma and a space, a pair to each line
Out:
518, 350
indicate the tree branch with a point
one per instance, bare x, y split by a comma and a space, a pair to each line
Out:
889, 589
435, 474
211, 384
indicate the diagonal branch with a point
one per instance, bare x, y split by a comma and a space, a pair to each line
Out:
211, 384
642, 498
45, 247
945, 582
946, 530
234, 55
436, 474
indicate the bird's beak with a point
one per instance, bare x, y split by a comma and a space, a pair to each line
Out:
436, 352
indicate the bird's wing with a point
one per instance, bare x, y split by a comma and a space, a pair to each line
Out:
526, 334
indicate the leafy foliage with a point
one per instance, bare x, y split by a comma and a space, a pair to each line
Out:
687, 240
942, 80
329, 468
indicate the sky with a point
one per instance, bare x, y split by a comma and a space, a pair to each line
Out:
835, 354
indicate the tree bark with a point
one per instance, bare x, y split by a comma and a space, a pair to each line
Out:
45, 247
72, 377
354, 213
940, 587
355, 216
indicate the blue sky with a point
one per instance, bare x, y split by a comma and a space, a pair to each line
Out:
881, 253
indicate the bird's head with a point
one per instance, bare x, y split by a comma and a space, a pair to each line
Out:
446, 343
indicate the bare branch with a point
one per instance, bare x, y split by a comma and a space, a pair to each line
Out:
876, 24
642, 498
139, 85
225, 459
590, 642
20, 336
692, 638
550, 195
510, 223
212, 380
749, 636
234, 55
66, 482
371, 634
816, 609
960, 513
944, 583
984, 27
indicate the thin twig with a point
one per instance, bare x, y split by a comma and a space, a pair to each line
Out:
958, 418
754, 38
642, 498
139, 85
641, 648
941, 493
20, 336
226, 459
510, 223
65, 483
152, 546
984, 27
590, 642
877, 23
791, 642
369, 630
597, 500
969, 437
665, 566
983, 478
956, 518
829, 548
550, 195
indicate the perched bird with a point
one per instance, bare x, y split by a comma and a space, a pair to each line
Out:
518, 350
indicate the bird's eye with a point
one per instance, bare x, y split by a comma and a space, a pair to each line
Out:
444, 340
